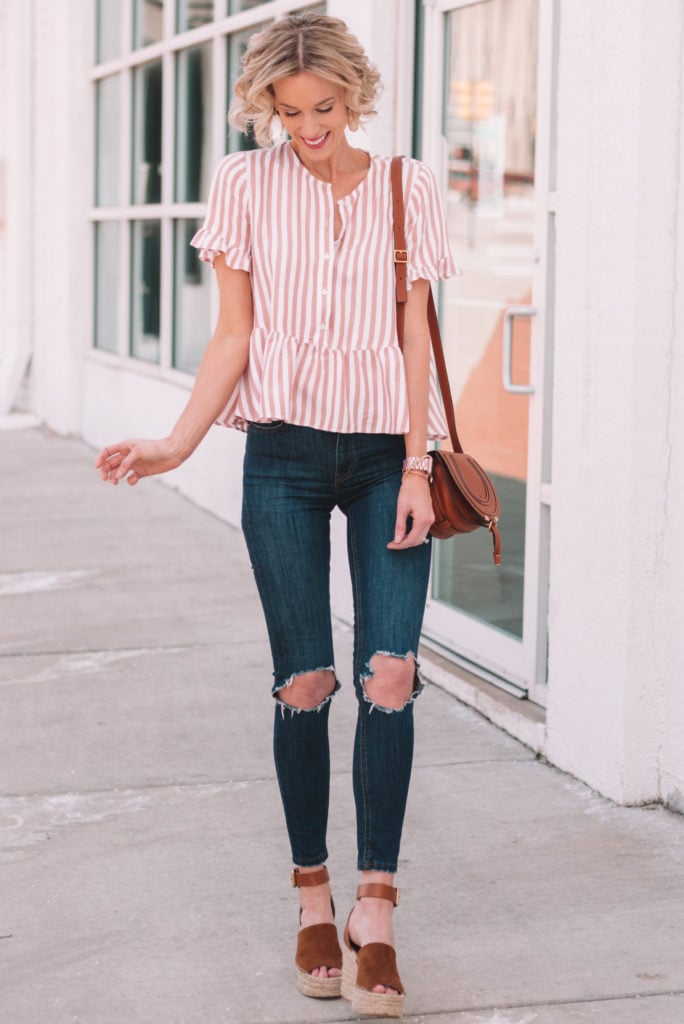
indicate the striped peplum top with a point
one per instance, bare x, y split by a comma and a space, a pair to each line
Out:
323, 350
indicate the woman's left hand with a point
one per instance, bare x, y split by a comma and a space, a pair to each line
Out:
415, 502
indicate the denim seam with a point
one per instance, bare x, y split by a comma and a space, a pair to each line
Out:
368, 865
359, 638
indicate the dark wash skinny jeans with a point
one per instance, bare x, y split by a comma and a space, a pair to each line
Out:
293, 478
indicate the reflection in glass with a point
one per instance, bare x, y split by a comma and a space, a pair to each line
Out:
191, 13
145, 289
106, 285
237, 44
244, 5
108, 30
148, 22
107, 102
193, 124
147, 133
192, 295
489, 121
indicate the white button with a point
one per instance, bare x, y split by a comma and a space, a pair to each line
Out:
322, 327
326, 255
324, 291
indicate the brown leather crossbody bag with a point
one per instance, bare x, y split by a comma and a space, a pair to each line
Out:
463, 496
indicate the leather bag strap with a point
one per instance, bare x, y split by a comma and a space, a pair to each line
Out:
400, 266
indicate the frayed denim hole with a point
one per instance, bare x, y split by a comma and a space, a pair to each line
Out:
418, 685
279, 686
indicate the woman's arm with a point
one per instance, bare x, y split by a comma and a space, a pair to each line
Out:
414, 495
223, 363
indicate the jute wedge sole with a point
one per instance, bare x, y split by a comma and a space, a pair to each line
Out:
318, 988
317, 946
373, 964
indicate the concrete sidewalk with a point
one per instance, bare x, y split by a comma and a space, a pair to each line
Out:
143, 858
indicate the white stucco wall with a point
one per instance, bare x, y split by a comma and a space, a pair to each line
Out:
616, 561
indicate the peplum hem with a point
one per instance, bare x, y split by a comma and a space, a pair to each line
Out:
354, 390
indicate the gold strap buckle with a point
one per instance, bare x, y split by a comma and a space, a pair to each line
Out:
401, 255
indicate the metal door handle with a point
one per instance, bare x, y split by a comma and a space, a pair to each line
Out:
507, 365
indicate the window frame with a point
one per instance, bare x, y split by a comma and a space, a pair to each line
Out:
168, 210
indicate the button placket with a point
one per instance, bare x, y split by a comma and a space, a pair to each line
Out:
325, 275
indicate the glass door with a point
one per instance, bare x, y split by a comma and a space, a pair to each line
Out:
486, 141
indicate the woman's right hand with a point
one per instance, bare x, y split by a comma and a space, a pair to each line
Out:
223, 363
135, 459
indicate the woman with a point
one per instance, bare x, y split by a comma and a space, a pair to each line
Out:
305, 357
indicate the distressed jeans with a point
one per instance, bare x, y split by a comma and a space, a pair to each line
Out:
293, 478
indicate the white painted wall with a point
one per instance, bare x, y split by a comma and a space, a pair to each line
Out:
63, 176
118, 401
616, 704
16, 202
4, 157
615, 709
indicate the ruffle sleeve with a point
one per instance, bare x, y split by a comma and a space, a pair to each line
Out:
226, 225
427, 237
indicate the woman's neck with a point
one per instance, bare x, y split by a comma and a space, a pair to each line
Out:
344, 161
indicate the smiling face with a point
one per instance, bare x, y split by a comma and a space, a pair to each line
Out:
314, 113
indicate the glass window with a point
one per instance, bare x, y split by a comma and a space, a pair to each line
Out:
145, 289
192, 300
108, 104
148, 22
108, 30
489, 119
193, 124
237, 44
191, 13
106, 285
244, 5
147, 133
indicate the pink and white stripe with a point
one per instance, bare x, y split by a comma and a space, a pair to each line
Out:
323, 351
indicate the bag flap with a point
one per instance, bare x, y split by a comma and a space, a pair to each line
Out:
471, 480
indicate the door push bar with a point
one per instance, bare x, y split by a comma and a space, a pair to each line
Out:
507, 364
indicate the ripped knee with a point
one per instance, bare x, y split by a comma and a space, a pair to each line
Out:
392, 680
306, 691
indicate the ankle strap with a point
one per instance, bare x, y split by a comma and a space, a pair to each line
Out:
300, 881
379, 891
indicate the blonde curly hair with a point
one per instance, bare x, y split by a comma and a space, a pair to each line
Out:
316, 43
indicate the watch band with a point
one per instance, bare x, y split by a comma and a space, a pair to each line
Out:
422, 463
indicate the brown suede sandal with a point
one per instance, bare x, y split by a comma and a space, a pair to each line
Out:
317, 946
363, 967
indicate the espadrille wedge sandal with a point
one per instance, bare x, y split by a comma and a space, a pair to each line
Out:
364, 967
317, 946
